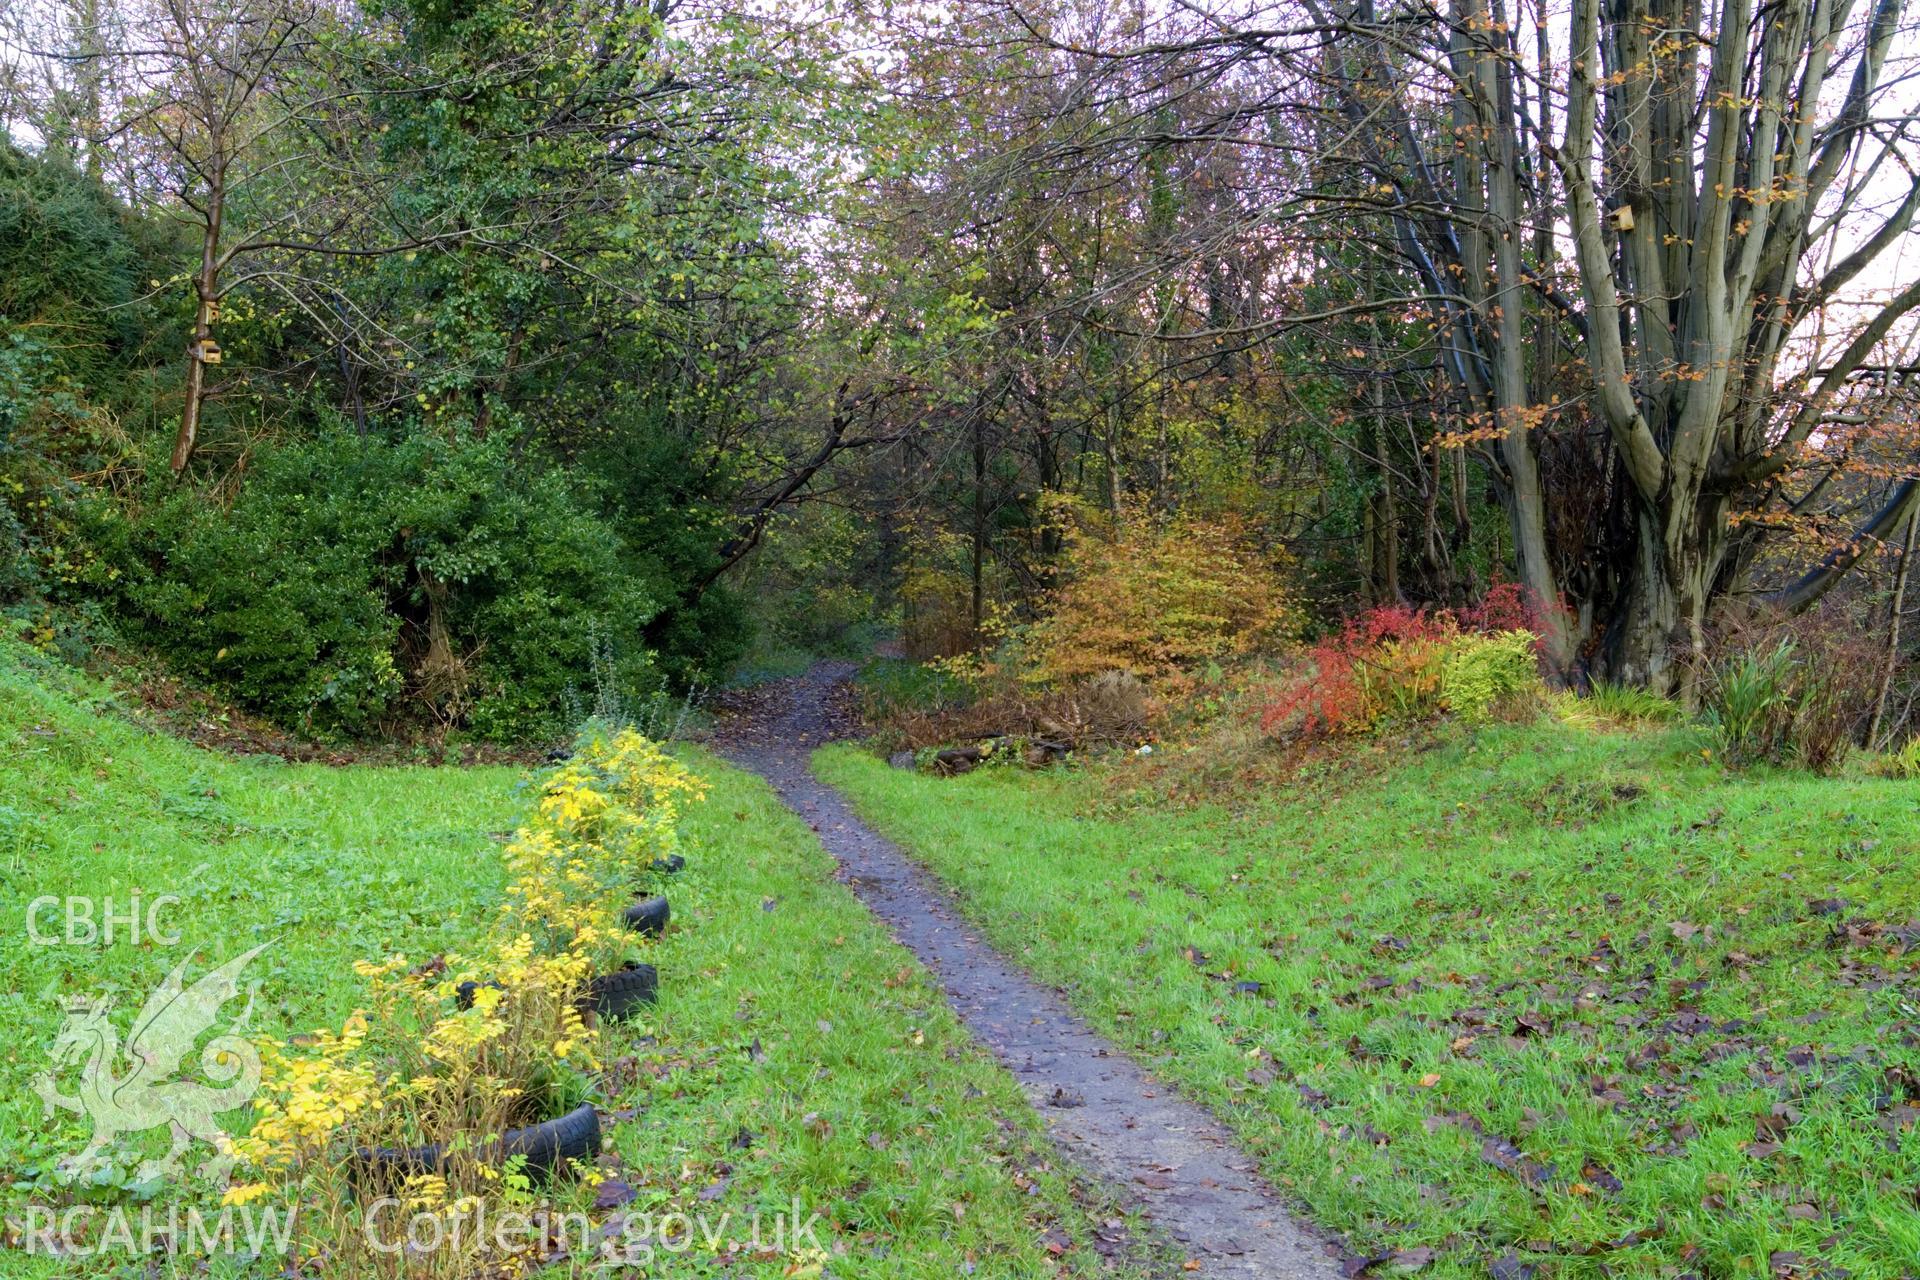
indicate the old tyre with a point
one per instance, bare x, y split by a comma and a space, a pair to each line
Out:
573, 1136
611, 995
463, 994
649, 915
670, 865
616, 995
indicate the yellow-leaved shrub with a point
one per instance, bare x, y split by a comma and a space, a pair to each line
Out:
414, 1068
1157, 597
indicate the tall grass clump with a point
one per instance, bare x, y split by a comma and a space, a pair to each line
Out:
1788, 691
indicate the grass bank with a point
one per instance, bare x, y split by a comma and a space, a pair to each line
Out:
797, 1056
1547, 1000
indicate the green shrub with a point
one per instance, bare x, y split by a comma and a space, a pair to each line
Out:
1480, 670
17, 576
350, 574
74, 327
68, 262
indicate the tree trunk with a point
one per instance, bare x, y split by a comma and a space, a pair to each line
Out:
979, 523
1661, 626
187, 438
1893, 634
207, 288
1383, 567
1501, 303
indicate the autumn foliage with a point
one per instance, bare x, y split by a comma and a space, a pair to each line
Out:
1399, 663
1158, 598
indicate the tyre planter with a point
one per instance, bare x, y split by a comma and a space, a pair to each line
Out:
649, 915
614, 996
573, 1136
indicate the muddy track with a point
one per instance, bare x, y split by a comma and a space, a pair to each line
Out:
1161, 1152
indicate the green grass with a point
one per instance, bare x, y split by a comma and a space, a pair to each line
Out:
797, 1055
793, 1017
1538, 946
329, 865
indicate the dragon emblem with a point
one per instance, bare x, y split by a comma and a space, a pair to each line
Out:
151, 1092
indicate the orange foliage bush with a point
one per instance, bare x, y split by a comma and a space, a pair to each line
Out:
1159, 598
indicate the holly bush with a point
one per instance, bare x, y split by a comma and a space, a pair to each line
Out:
353, 576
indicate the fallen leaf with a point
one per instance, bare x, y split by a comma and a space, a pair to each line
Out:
612, 1194
1533, 1022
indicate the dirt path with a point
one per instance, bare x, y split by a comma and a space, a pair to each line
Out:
1169, 1155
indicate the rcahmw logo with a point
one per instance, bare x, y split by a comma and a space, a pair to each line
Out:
139, 1087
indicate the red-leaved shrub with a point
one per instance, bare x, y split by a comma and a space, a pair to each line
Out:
1392, 642
1390, 663
1507, 606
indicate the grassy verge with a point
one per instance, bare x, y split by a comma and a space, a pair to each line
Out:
797, 1058
1547, 1000
329, 865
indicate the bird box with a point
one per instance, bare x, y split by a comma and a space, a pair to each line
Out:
207, 351
1622, 219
